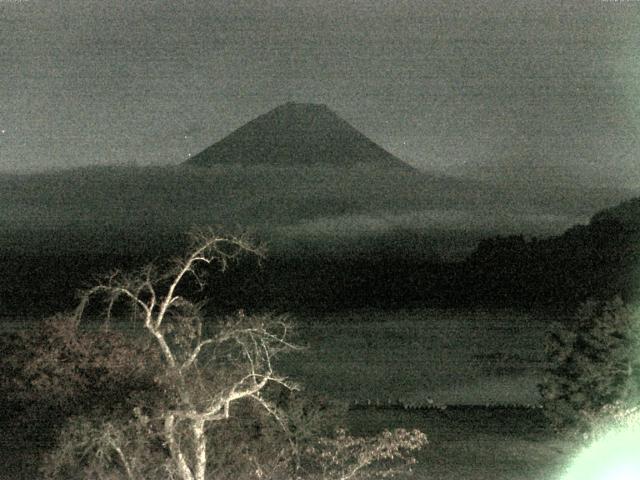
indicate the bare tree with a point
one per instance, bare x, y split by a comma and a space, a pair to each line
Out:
207, 377
344, 457
241, 349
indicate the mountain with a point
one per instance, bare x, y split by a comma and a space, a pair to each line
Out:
297, 134
347, 224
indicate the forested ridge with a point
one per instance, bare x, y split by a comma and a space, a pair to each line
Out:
395, 269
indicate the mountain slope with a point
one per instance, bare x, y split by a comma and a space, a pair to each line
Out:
297, 134
600, 259
626, 213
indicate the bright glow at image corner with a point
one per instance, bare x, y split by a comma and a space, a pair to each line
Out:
615, 456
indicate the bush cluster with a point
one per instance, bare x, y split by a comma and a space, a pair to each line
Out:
593, 363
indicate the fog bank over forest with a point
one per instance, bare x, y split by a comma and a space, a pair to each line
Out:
292, 202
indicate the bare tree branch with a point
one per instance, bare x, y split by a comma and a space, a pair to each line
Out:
176, 324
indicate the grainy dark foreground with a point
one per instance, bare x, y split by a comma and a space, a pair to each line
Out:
465, 443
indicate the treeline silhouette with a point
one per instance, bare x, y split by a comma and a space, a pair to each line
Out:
599, 260
393, 270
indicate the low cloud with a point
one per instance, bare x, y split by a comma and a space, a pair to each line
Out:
503, 222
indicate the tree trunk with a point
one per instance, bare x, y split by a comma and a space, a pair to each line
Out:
201, 449
176, 454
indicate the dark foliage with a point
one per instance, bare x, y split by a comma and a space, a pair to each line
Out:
595, 261
58, 369
592, 363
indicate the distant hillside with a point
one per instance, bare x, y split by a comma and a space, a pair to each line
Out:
600, 259
321, 203
347, 224
338, 238
627, 213
297, 134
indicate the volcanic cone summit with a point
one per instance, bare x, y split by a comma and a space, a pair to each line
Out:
297, 134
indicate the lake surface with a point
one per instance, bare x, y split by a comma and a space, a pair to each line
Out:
416, 358
422, 357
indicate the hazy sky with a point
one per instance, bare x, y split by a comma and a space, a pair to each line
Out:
539, 90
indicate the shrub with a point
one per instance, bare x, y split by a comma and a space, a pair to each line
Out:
343, 456
56, 366
592, 363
